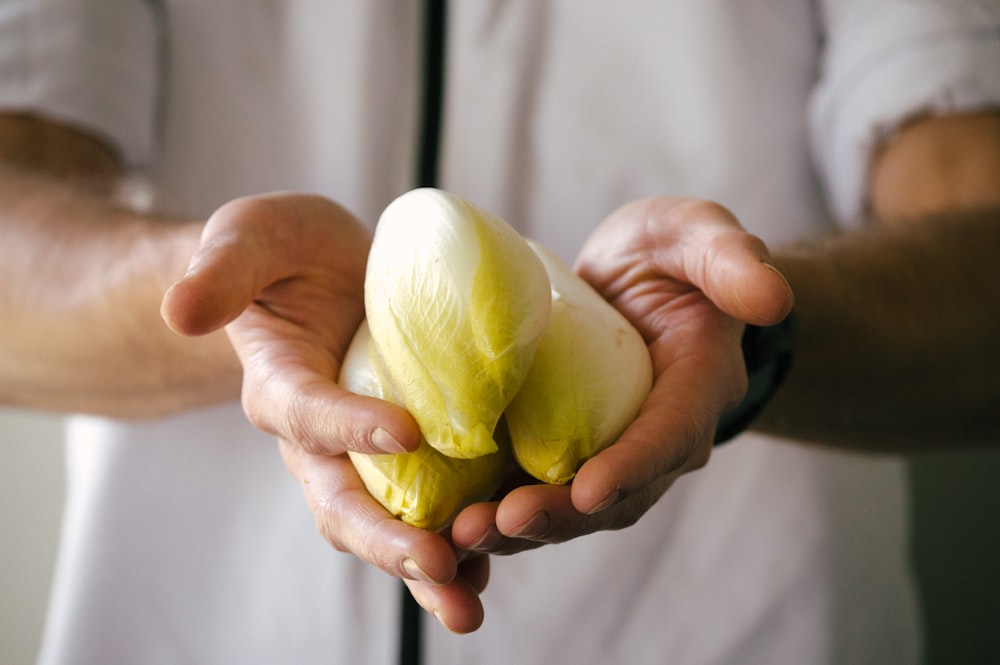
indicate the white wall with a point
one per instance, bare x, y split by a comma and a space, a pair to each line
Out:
31, 496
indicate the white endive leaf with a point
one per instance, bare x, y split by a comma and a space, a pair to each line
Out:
591, 373
424, 488
457, 302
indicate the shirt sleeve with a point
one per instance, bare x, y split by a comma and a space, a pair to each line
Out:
885, 62
89, 63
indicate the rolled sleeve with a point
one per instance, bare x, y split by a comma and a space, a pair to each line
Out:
887, 62
89, 63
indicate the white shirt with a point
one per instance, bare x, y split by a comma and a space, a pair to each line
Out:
186, 540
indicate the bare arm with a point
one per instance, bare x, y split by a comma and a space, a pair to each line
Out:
83, 290
82, 283
898, 324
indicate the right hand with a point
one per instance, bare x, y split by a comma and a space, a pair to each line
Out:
284, 273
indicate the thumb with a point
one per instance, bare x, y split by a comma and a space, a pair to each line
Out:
219, 283
215, 290
704, 243
247, 245
740, 279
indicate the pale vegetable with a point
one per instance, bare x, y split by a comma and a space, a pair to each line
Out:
591, 373
470, 322
424, 488
457, 302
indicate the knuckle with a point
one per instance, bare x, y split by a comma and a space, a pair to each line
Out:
623, 516
627, 519
256, 413
350, 527
702, 209
244, 210
700, 458
331, 522
299, 426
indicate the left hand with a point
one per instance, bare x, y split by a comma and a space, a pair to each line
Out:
688, 277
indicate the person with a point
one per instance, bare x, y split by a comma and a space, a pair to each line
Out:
859, 140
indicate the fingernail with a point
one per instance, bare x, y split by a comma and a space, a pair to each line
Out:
774, 268
536, 527
609, 500
192, 266
415, 572
386, 442
488, 542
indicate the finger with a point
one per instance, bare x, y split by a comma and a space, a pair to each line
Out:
475, 530
699, 370
476, 571
456, 605
695, 242
742, 282
731, 266
671, 435
535, 515
251, 243
545, 514
324, 419
289, 391
353, 522
674, 430
216, 288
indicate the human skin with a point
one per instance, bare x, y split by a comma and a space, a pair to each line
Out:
88, 335
903, 315
897, 328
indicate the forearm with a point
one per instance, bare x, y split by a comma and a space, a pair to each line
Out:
83, 283
897, 334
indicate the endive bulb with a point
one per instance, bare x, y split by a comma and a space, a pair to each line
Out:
457, 302
591, 373
424, 488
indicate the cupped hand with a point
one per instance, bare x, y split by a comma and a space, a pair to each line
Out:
688, 277
284, 273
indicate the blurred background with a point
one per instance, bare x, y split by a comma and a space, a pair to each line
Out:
956, 542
